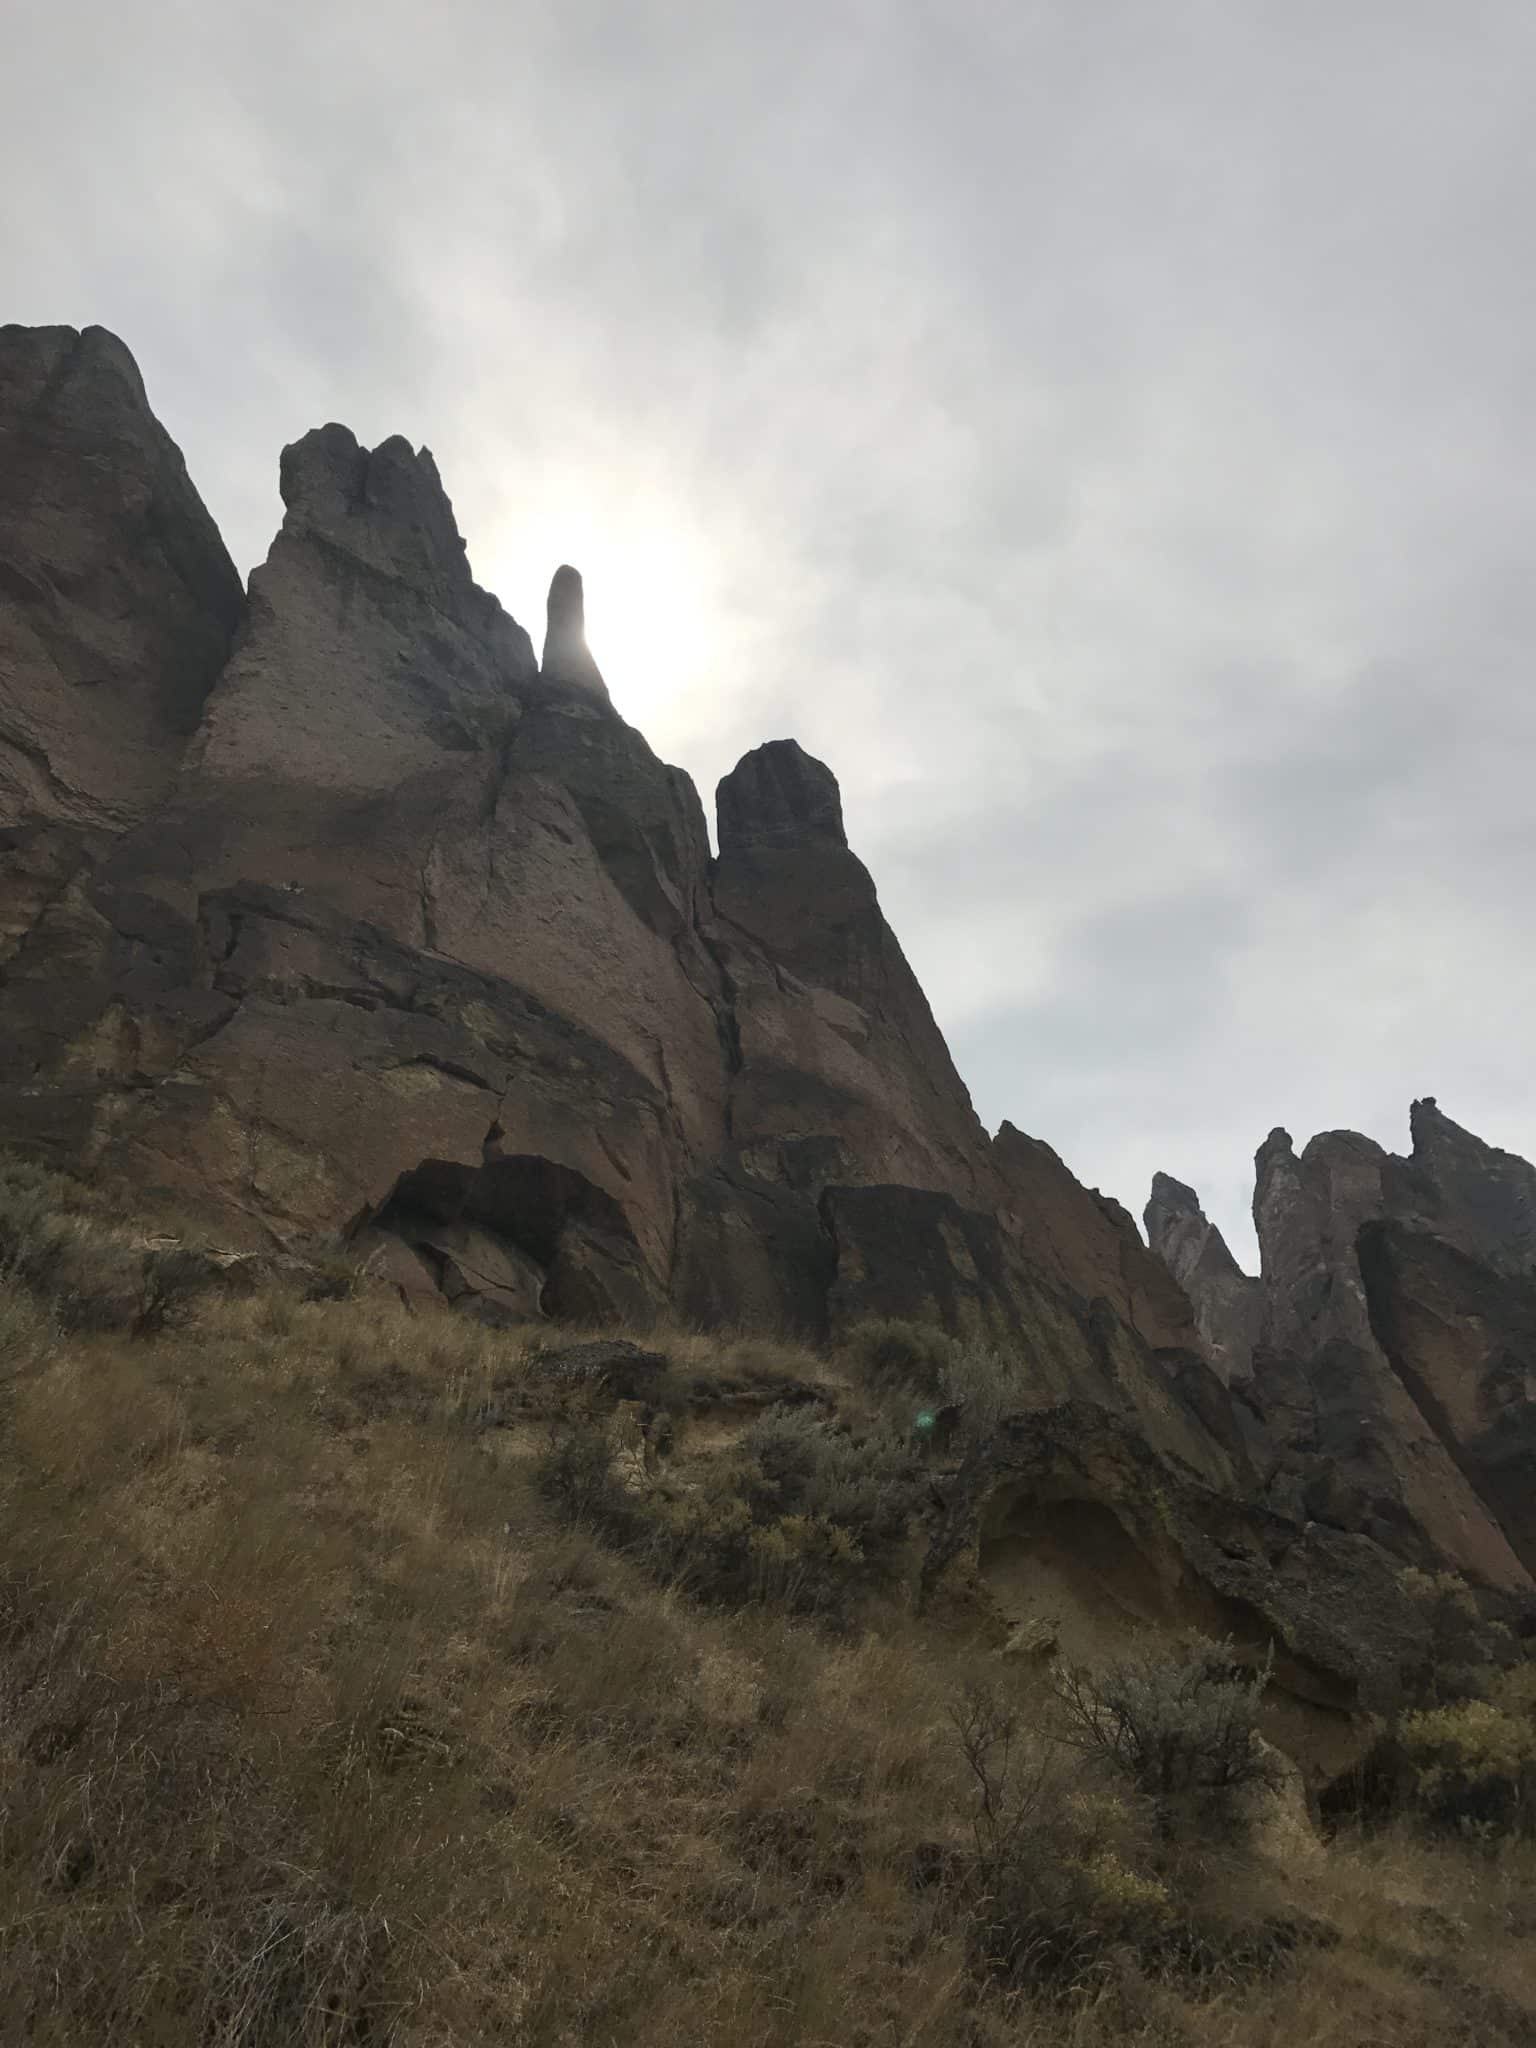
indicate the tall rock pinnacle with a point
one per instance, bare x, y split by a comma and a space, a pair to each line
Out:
567, 657
779, 795
118, 601
1229, 1307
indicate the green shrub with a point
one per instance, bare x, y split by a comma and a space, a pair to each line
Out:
810, 1516
975, 1385
800, 1463
332, 1273
711, 1543
1182, 1729
89, 1275
1055, 1889
986, 1385
910, 1357
574, 1471
805, 1515
1464, 1650
1473, 1762
39, 1220
27, 1331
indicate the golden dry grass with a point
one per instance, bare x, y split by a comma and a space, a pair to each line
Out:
317, 1728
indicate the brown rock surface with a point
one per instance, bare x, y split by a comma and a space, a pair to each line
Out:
1376, 1410
1228, 1305
924, 1258
371, 925
1088, 1243
331, 910
422, 942
118, 604
1482, 1199
842, 1073
118, 601
1461, 1337
1068, 1515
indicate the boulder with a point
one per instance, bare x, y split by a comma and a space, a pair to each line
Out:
623, 1369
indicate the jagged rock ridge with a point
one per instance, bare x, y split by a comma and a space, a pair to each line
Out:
387, 927
419, 939
1386, 1355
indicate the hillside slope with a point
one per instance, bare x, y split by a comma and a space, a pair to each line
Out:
378, 1676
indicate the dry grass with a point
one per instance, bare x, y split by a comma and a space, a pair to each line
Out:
318, 1727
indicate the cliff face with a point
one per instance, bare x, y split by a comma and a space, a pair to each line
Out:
1228, 1306
1387, 1344
117, 607
385, 926
119, 601
331, 908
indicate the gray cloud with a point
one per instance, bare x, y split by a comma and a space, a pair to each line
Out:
1104, 433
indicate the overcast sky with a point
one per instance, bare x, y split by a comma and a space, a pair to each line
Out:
1101, 429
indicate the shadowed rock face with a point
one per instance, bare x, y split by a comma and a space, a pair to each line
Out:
1088, 1243
414, 937
1460, 1336
567, 659
1387, 1336
118, 601
1483, 1200
118, 605
1068, 1505
778, 796
1229, 1307
842, 1073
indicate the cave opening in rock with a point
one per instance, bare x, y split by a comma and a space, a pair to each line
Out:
518, 1238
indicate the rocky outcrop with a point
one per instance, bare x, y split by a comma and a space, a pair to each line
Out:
1088, 1243
118, 604
924, 1258
387, 916
1460, 1336
841, 1072
331, 910
1387, 1392
1068, 1520
1478, 1197
567, 659
1228, 1305
411, 937
118, 601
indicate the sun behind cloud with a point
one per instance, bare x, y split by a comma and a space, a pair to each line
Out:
651, 579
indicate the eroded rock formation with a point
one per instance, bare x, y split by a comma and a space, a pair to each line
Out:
1388, 1342
328, 908
1228, 1306
410, 935
1068, 1525
118, 604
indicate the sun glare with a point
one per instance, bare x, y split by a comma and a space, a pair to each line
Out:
652, 618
